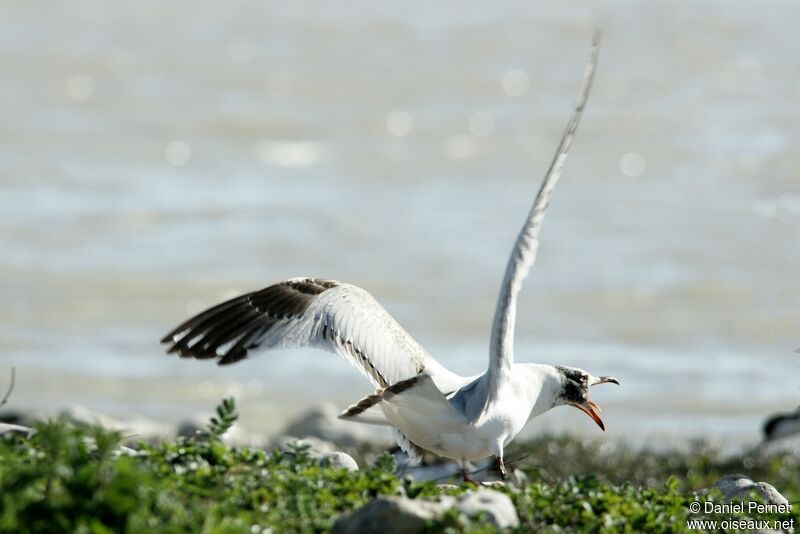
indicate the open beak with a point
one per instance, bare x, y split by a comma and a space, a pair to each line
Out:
604, 380
591, 410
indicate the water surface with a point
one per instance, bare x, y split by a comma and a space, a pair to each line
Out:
157, 158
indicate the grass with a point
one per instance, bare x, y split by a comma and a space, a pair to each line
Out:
697, 465
68, 478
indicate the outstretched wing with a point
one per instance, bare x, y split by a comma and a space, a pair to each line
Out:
524, 252
303, 312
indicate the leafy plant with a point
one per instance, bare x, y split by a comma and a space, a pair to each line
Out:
226, 417
68, 478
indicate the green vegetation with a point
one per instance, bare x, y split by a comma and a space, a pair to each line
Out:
697, 465
75, 479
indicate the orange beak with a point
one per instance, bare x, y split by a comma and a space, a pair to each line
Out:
591, 410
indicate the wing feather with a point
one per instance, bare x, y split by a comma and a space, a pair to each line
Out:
523, 254
303, 312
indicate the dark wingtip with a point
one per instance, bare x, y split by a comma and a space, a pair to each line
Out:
233, 356
169, 338
185, 352
242, 319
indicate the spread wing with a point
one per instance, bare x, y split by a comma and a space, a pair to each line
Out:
308, 312
524, 252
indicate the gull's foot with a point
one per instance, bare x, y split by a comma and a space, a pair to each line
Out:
465, 476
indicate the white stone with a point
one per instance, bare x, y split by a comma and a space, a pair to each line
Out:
499, 509
394, 515
8, 428
737, 487
322, 452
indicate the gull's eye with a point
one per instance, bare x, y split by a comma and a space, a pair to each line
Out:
584, 378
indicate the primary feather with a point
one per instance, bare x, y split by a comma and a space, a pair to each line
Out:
310, 312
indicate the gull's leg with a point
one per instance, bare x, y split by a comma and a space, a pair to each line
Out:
501, 468
464, 472
498, 453
465, 475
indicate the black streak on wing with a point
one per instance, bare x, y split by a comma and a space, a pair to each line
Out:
399, 387
358, 355
371, 400
242, 321
363, 405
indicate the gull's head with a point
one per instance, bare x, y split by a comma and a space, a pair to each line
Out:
575, 384
782, 425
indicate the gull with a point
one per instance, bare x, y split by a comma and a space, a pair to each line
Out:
429, 407
782, 425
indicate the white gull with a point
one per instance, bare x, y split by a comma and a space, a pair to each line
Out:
428, 406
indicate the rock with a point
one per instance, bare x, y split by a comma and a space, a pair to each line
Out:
499, 509
323, 422
285, 443
28, 432
395, 515
189, 429
320, 451
7, 428
338, 460
493, 484
17, 418
138, 427
737, 487
122, 450
439, 469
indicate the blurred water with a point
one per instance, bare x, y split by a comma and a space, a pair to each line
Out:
157, 158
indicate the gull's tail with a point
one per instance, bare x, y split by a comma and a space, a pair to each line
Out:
417, 410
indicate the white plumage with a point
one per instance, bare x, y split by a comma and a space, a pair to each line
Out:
429, 406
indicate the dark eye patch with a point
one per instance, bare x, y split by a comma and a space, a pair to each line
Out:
573, 374
573, 392
575, 385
